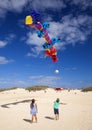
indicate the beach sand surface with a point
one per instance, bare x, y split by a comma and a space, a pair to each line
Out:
75, 115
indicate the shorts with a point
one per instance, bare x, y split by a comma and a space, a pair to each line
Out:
33, 111
56, 111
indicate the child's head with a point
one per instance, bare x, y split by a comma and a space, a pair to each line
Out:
57, 100
32, 103
33, 100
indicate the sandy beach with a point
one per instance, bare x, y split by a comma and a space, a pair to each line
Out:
75, 115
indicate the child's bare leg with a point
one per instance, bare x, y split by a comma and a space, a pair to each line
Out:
35, 118
32, 118
57, 116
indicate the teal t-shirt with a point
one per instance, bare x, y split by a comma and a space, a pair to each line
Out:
56, 105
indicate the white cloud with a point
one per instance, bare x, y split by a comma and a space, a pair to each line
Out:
4, 60
11, 5
8, 82
45, 80
33, 39
48, 4
20, 82
10, 37
72, 29
7, 40
3, 43
18, 5
36, 44
32, 80
77, 29
35, 77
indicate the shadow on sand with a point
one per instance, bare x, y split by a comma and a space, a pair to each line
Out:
48, 117
27, 120
14, 103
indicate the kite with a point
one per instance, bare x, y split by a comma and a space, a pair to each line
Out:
33, 20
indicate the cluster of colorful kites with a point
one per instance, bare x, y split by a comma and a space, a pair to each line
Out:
34, 21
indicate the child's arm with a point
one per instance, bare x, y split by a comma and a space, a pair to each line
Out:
36, 108
63, 103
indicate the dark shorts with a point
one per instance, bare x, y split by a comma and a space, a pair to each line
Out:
56, 111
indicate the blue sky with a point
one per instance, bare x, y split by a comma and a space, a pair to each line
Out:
22, 59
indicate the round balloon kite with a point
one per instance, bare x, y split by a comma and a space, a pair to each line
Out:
56, 71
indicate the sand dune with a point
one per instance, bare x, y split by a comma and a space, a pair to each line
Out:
75, 115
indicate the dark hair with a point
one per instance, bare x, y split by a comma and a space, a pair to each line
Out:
57, 100
32, 103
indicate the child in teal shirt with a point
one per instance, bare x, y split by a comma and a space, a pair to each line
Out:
56, 108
